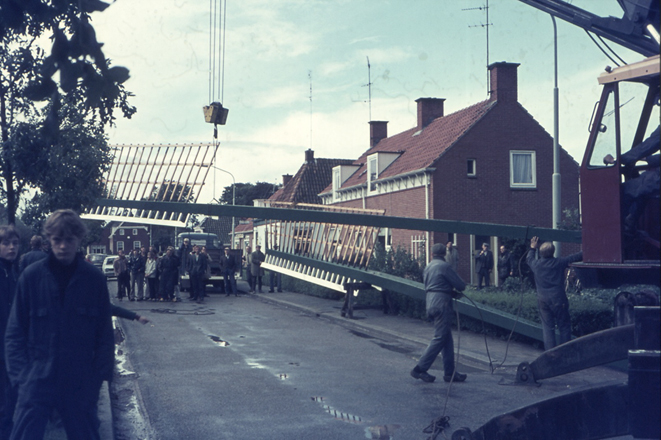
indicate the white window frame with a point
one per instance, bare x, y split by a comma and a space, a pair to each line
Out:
372, 171
135, 232
533, 164
474, 162
137, 244
121, 231
120, 246
337, 181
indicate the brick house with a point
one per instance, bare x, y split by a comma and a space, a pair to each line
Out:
118, 236
490, 162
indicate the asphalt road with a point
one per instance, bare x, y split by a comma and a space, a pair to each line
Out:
241, 368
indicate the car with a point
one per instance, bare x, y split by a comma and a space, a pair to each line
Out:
107, 268
97, 260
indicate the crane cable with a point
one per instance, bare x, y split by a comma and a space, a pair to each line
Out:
217, 27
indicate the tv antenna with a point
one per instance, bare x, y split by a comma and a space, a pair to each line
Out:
484, 25
369, 86
310, 78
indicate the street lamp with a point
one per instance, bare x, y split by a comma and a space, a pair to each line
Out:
233, 197
556, 144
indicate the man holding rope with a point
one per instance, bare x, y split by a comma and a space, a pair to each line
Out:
440, 281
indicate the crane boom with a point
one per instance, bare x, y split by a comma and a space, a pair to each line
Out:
636, 30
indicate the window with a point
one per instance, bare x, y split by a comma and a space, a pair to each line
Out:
121, 231
522, 169
135, 232
470, 167
372, 171
337, 181
136, 245
120, 246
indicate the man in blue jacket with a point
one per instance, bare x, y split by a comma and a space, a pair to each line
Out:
59, 341
551, 297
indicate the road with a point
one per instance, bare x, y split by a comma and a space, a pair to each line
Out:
240, 368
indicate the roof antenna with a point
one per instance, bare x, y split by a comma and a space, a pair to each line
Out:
310, 78
486, 25
369, 86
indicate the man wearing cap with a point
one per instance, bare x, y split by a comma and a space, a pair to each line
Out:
440, 281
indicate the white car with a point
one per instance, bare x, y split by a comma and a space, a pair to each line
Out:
107, 268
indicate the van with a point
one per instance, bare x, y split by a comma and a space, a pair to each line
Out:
214, 250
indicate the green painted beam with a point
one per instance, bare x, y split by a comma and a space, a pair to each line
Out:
416, 290
415, 224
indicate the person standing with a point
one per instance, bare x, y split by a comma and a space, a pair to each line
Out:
137, 266
59, 343
169, 270
452, 255
9, 244
150, 276
256, 260
36, 253
440, 280
228, 266
505, 265
551, 297
121, 268
183, 254
484, 265
197, 267
246, 261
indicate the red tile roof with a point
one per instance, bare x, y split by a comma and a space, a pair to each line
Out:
310, 180
420, 149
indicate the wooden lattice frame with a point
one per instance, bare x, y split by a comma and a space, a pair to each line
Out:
164, 173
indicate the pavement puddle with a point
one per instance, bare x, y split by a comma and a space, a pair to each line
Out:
219, 341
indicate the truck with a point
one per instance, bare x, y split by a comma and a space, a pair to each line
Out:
214, 250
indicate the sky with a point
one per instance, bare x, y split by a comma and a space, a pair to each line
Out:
295, 73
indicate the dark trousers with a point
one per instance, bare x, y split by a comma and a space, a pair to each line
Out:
123, 284
197, 286
275, 280
442, 341
230, 282
79, 417
554, 312
256, 282
8, 396
482, 275
152, 289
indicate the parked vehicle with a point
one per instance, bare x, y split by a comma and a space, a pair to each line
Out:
214, 250
107, 267
97, 260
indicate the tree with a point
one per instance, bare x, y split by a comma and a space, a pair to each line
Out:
30, 95
66, 168
247, 192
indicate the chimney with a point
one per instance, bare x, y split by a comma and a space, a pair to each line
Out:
286, 178
503, 82
378, 131
309, 155
428, 110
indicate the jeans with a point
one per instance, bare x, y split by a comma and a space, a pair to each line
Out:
554, 311
442, 341
230, 282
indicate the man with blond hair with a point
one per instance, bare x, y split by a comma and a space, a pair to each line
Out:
59, 343
551, 297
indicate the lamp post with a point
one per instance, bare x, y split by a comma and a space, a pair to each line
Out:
233, 197
556, 145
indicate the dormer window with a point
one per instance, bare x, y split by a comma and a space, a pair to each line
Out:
372, 171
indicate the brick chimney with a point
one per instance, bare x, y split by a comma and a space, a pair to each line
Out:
378, 131
286, 178
428, 110
503, 82
309, 155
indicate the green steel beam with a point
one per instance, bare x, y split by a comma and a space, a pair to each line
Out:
416, 290
415, 224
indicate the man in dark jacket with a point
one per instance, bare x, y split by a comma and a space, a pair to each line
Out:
505, 265
197, 267
36, 253
136, 264
440, 282
9, 244
168, 268
59, 342
484, 265
228, 266
551, 297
